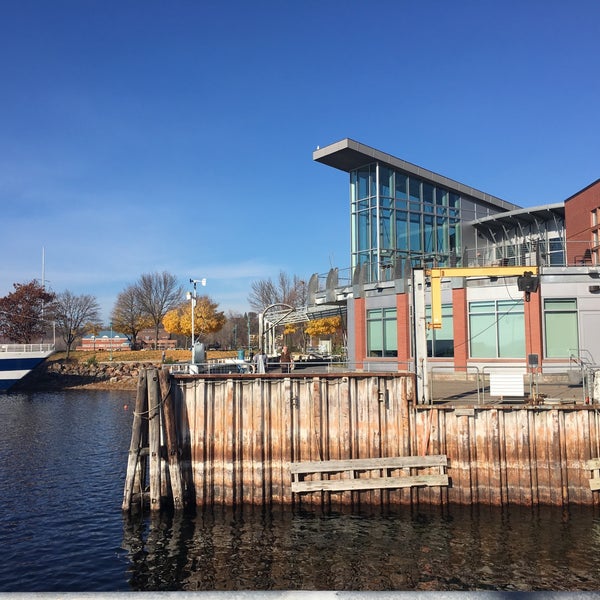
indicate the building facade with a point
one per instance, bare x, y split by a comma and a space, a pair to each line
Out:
405, 218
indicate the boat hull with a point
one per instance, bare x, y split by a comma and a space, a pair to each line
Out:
17, 360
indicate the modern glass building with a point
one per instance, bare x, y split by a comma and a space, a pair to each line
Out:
404, 217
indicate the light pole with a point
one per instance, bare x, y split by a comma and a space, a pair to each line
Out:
111, 335
192, 297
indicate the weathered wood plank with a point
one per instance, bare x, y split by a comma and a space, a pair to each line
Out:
365, 464
154, 439
171, 440
133, 467
371, 483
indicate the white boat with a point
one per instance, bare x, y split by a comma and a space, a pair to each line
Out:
17, 360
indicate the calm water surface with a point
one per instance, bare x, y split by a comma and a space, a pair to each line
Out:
62, 468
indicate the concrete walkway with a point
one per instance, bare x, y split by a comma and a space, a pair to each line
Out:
547, 390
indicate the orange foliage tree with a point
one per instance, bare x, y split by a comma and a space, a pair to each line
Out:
207, 319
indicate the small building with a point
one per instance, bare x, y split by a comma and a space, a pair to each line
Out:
146, 340
105, 341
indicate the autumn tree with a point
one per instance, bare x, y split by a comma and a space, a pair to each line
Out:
325, 326
75, 316
128, 316
207, 319
157, 294
23, 312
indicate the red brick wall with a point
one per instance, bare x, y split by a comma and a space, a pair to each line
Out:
533, 325
360, 331
461, 329
578, 222
404, 329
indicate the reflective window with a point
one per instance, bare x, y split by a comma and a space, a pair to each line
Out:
428, 233
561, 328
386, 176
440, 342
415, 232
382, 336
400, 191
497, 329
441, 197
428, 193
414, 190
364, 177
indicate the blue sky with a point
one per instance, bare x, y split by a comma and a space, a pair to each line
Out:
178, 135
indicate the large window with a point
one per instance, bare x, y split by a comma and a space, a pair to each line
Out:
560, 324
382, 332
497, 329
440, 342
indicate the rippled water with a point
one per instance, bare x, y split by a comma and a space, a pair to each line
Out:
62, 467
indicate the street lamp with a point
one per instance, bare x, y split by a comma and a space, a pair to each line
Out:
111, 338
192, 297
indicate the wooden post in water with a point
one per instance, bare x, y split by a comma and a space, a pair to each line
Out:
171, 440
134, 473
154, 437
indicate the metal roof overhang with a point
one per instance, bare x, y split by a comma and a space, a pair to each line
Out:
523, 217
348, 155
306, 313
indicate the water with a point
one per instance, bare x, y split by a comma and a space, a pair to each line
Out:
62, 468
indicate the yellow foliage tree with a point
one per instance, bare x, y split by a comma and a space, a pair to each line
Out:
207, 319
325, 326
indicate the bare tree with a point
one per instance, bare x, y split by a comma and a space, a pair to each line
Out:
128, 315
75, 315
286, 290
22, 312
157, 294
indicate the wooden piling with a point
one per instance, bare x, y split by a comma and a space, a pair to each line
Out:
172, 447
134, 472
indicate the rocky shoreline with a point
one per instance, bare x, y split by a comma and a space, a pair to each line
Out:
65, 375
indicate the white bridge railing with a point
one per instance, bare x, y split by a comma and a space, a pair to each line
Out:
26, 347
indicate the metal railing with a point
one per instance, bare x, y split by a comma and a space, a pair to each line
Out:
464, 371
26, 347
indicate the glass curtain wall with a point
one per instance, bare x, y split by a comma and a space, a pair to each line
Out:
399, 220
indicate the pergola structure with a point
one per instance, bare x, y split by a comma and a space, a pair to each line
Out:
281, 314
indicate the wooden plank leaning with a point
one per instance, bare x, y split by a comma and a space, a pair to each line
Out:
347, 473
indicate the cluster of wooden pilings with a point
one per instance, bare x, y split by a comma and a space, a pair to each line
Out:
206, 440
153, 468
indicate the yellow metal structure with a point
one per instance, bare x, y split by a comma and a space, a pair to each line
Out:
436, 276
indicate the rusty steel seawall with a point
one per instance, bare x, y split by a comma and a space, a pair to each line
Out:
238, 434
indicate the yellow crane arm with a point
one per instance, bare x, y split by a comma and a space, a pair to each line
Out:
436, 275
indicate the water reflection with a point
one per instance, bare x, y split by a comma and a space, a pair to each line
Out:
463, 549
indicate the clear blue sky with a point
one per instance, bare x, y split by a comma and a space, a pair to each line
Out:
178, 135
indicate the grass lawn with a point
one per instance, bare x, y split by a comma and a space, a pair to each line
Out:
153, 356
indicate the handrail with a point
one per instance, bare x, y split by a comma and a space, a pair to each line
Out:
27, 347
